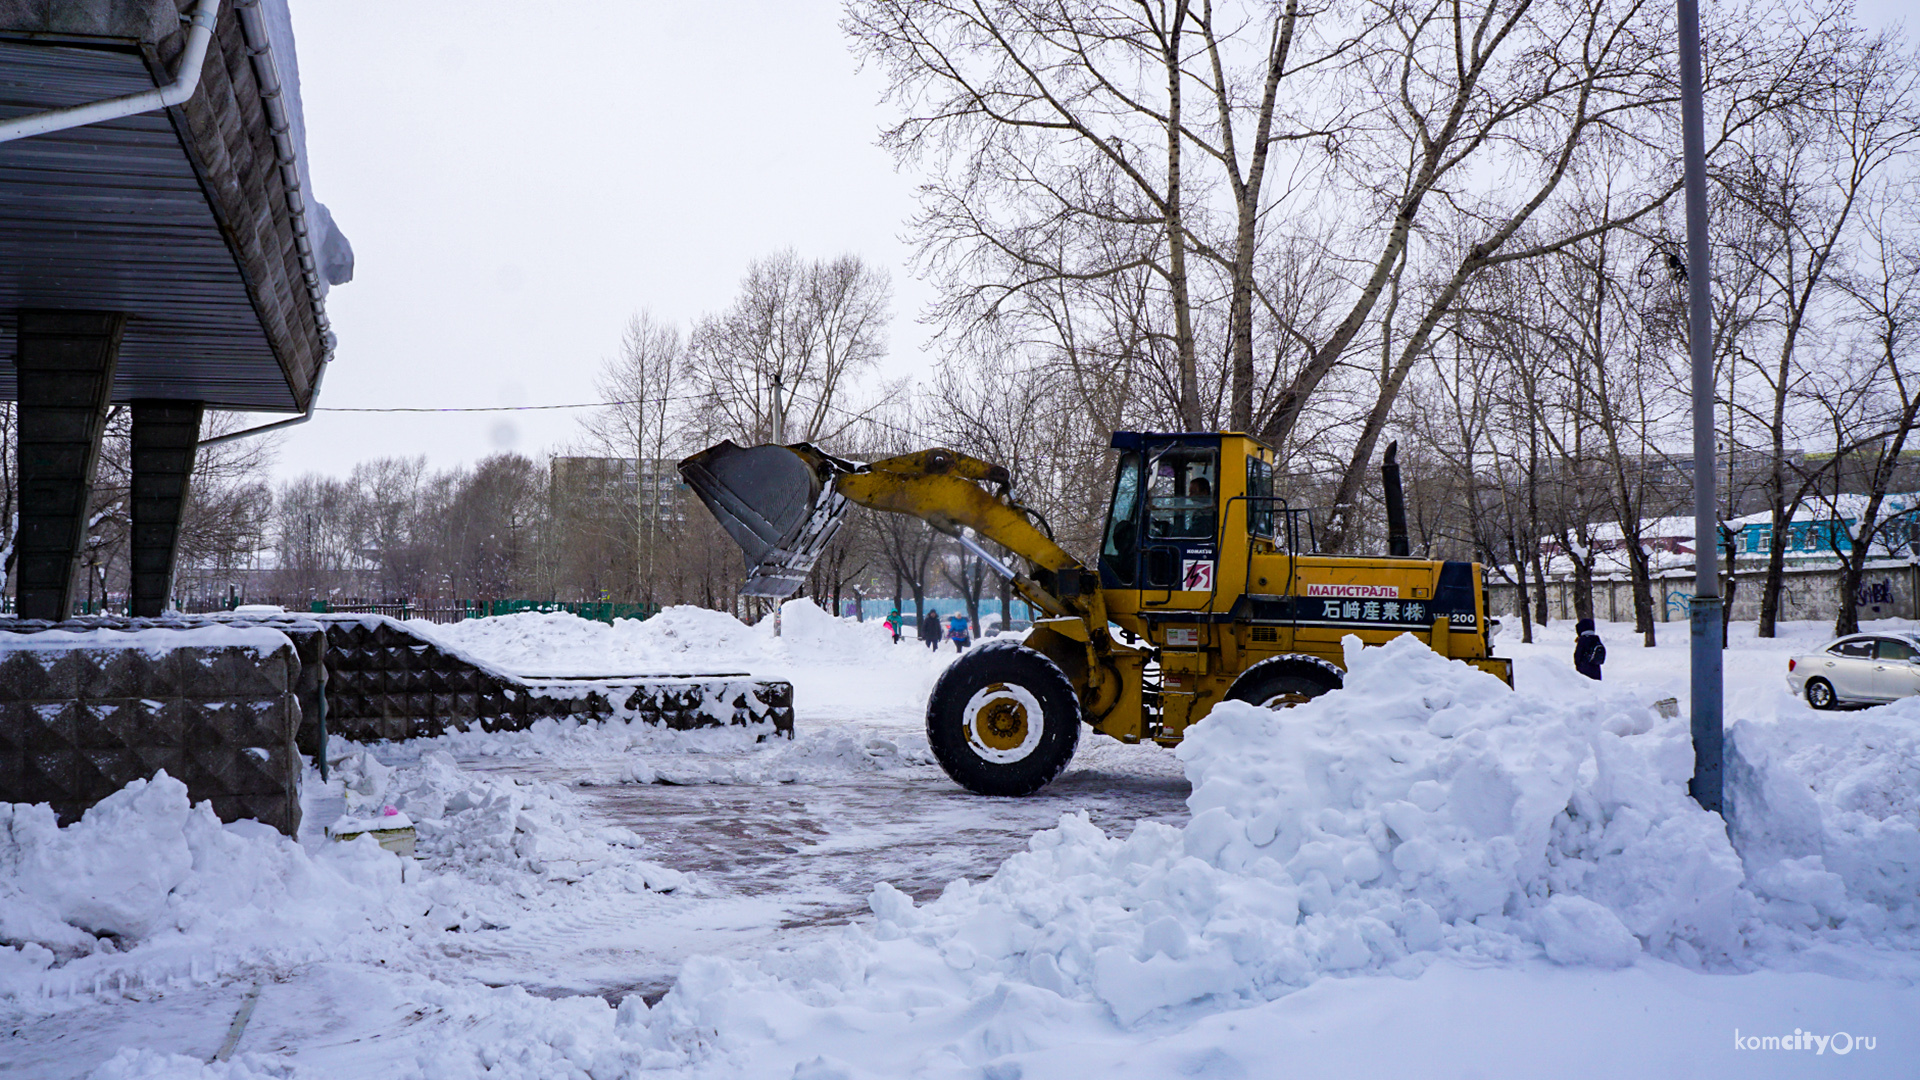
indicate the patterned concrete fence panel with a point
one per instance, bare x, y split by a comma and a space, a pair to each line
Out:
85, 712
385, 681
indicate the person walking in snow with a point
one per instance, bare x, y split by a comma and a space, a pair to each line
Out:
893, 624
930, 630
1589, 652
957, 632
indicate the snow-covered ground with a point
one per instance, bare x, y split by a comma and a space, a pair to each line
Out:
1424, 873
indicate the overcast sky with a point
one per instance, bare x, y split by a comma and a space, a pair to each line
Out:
519, 178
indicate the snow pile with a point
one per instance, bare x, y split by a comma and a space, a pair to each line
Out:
811, 635
678, 640
1427, 795
145, 868
497, 830
844, 671
148, 888
1425, 811
140, 1064
1825, 810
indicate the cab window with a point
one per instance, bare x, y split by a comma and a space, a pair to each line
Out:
1892, 649
1259, 498
1122, 543
1182, 490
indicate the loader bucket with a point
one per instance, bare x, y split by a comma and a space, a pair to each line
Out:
773, 505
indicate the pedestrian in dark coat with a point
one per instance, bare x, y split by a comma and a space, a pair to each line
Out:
930, 630
1588, 650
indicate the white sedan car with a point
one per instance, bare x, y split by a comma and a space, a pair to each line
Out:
1858, 669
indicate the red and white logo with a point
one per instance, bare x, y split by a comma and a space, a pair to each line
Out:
1196, 575
1365, 592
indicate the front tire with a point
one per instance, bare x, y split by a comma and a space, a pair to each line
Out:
1283, 682
1820, 695
1003, 720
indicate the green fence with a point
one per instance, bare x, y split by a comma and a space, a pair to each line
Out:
600, 612
446, 611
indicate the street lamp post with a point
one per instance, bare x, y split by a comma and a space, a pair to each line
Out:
1708, 723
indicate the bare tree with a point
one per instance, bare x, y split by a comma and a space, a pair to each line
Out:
1799, 186
792, 346
645, 386
1886, 292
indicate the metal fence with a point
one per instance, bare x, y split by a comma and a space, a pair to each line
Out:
434, 611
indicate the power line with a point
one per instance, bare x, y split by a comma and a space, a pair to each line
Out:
477, 408
502, 408
857, 416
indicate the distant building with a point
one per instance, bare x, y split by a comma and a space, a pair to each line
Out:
626, 482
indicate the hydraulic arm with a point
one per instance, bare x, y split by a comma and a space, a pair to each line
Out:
958, 495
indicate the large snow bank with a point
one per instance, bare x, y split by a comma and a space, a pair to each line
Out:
1825, 809
147, 888
839, 668
1426, 811
678, 640
146, 869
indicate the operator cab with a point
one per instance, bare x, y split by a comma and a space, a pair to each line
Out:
1173, 494
1163, 523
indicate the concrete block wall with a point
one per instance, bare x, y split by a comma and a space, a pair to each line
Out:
384, 681
82, 714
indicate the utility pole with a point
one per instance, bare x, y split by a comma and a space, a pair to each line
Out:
779, 439
643, 524
1708, 723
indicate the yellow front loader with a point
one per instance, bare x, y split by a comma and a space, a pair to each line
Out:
1205, 589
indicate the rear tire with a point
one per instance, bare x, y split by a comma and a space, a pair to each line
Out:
1820, 695
1003, 720
1282, 683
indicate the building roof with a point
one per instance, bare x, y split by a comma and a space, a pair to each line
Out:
197, 221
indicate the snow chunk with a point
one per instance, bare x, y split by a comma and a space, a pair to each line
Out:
1575, 930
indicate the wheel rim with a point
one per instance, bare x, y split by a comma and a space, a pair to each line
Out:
1003, 722
1818, 695
1286, 699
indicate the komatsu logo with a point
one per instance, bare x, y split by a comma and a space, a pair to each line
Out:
1374, 592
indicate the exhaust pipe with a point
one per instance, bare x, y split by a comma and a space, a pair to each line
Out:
1396, 503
